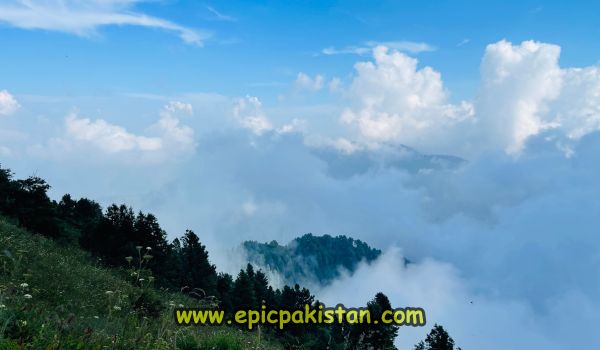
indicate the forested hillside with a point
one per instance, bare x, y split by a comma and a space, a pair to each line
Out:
311, 258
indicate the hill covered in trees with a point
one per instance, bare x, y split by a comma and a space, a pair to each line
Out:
309, 259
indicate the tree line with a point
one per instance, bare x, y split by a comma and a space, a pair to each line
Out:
114, 234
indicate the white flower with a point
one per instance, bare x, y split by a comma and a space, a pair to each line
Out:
24, 285
96, 317
181, 305
117, 308
27, 296
2, 306
109, 292
148, 248
142, 280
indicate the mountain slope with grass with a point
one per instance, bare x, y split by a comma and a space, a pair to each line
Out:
55, 296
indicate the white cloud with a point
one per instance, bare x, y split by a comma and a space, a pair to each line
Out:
172, 133
167, 134
404, 46
396, 101
8, 104
475, 321
523, 92
85, 17
518, 81
296, 125
249, 114
578, 108
108, 137
305, 82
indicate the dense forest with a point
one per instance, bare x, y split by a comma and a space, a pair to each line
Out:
121, 240
311, 258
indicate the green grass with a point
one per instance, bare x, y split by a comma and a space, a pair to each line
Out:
56, 297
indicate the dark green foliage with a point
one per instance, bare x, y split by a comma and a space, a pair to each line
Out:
311, 258
244, 295
197, 271
225, 291
374, 336
33, 208
437, 339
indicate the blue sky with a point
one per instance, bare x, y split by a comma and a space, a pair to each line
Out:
253, 44
464, 136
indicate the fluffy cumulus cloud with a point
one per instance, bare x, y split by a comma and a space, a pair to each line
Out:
518, 81
108, 137
85, 17
8, 103
167, 135
250, 115
523, 92
397, 101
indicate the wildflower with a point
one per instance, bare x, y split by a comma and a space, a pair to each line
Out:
24, 285
27, 296
109, 292
138, 247
148, 248
142, 280
181, 305
2, 306
151, 278
148, 256
118, 308
96, 317
129, 259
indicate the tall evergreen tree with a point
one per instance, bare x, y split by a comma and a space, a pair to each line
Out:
197, 271
244, 295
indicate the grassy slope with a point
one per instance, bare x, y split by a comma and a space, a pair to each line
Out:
70, 308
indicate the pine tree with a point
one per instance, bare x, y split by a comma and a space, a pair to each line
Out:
197, 270
244, 296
